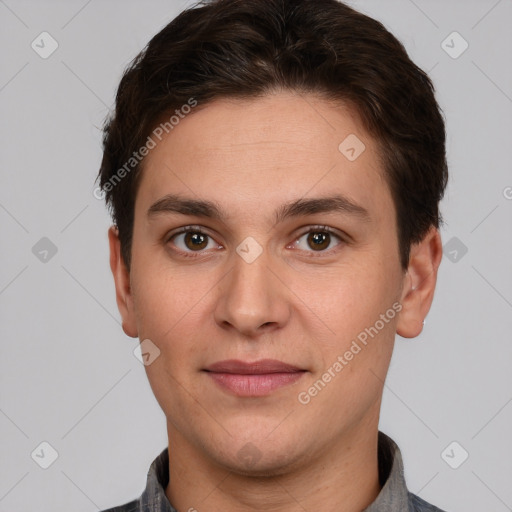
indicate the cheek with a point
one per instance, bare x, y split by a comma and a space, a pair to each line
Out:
356, 352
351, 297
173, 310
159, 302
358, 308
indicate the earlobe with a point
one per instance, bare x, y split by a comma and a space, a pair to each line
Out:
419, 284
121, 276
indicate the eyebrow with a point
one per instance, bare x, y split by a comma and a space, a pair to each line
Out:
301, 207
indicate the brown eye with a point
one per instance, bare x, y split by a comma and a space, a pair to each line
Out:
192, 241
318, 241
195, 241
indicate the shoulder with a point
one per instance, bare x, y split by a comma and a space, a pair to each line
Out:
132, 506
419, 505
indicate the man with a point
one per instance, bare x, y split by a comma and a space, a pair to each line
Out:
274, 170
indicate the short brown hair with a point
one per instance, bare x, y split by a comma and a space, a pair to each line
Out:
249, 48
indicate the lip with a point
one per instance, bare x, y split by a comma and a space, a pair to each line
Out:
258, 378
263, 366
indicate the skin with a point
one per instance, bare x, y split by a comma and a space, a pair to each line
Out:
293, 303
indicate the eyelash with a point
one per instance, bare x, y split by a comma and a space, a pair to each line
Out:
312, 229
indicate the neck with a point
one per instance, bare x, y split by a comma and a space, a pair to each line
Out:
343, 477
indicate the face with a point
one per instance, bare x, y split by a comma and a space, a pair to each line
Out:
257, 238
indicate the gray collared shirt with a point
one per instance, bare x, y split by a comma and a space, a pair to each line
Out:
393, 497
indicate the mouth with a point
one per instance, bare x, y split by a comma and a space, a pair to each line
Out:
255, 379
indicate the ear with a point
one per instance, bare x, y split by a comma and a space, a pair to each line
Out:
122, 282
419, 284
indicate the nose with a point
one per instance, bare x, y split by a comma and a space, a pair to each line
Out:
252, 299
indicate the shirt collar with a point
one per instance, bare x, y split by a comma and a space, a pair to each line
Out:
393, 495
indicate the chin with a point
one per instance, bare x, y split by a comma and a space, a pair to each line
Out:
260, 458
265, 468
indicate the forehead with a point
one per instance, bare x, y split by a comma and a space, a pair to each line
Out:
267, 150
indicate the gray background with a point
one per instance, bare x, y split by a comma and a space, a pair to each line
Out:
68, 373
